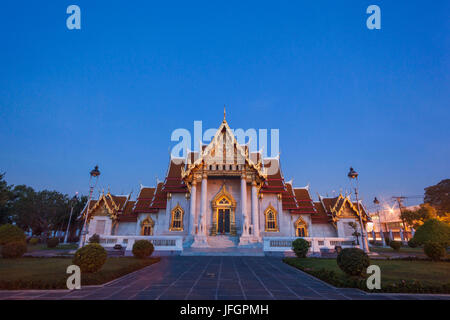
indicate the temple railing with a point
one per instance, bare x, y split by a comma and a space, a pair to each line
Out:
161, 243
318, 244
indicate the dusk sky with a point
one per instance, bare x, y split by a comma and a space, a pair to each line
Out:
112, 93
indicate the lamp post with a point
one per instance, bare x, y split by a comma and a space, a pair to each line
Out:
94, 174
352, 174
70, 217
376, 202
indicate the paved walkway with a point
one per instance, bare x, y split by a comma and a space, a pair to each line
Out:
209, 278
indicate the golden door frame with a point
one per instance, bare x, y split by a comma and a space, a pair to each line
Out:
217, 204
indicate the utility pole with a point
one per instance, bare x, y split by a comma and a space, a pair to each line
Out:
70, 217
399, 200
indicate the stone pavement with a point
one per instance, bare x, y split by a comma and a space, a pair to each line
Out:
211, 278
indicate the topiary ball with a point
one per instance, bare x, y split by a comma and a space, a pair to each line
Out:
95, 238
396, 245
13, 250
353, 261
412, 243
300, 247
434, 250
142, 249
10, 233
433, 230
90, 258
52, 242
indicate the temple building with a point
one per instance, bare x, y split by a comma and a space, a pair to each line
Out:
224, 198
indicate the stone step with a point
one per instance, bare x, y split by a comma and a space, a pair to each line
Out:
223, 241
253, 252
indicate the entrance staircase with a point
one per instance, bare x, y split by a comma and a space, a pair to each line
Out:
223, 241
224, 245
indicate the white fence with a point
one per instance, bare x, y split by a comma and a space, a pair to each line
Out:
283, 244
161, 243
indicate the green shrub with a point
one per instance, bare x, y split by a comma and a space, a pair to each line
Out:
434, 250
396, 245
353, 261
95, 238
52, 242
10, 233
13, 250
300, 247
413, 243
90, 258
433, 230
143, 249
33, 241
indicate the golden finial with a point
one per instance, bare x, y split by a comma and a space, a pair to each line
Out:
224, 114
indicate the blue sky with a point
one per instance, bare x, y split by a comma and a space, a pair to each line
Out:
113, 92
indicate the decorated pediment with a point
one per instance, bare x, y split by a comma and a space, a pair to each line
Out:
223, 199
223, 153
344, 208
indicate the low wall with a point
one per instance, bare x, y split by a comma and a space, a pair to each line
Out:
318, 244
163, 244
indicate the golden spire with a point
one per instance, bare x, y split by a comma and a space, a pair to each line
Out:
224, 114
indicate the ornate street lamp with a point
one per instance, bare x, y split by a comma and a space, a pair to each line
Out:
352, 174
376, 202
93, 179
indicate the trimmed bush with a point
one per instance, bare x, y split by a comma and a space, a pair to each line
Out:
95, 238
33, 241
142, 249
434, 250
52, 242
337, 249
90, 258
413, 243
10, 233
300, 247
433, 230
13, 250
353, 261
396, 245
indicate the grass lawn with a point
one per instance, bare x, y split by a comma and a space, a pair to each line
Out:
396, 275
50, 273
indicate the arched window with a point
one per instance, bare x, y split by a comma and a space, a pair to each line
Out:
271, 219
147, 227
300, 228
177, 219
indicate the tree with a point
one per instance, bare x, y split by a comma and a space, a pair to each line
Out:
439, 196
42, 211
433, 230
355, 233
5, 197
418, 216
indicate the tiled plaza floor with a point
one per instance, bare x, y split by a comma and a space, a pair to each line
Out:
212, 278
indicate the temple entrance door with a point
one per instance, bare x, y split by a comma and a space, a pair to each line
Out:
223, 221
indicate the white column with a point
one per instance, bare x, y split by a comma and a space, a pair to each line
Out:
255, 221
192, 207
200, 239
245, 222
168, 212
202, 220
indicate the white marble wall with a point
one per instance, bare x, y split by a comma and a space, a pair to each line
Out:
323, 230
